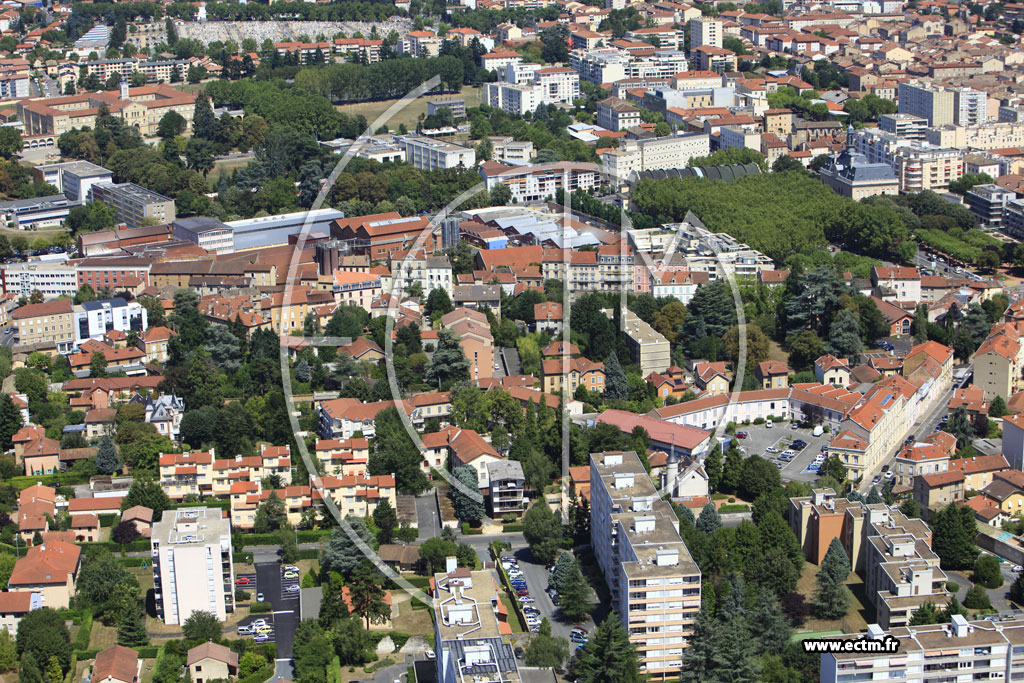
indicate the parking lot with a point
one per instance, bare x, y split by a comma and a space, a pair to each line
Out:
536, 577
779, 437
259, 627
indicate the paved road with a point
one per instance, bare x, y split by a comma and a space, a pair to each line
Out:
286, 617
537, 582
427, 515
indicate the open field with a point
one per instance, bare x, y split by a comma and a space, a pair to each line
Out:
411, 114
225, 167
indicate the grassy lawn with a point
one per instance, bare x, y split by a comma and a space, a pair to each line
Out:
513, 618
148, 668
857, 618
775, 352
102, 636
225, 167
416, 622
411, 114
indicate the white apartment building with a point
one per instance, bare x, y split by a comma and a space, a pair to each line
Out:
432, 272
536, 182
961, 650
519, 73
512, 98
740, 138
654, 583
970, 107
636, 156
427, 154
600, 66
93, 319
706, 31
918, 165
14, 77
192, 566
557, 84
989, 135
51, 279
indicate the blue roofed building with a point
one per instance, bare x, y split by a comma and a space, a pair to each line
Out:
852, 175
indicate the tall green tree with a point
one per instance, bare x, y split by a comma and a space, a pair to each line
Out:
107, 459
342, 554
615, 386
10, 421
42, 634
366, 594
608, 657
270, 515
546, 651
543, 531
449, 363
709, 520
467, 508
386, 520
131, 631
953, 536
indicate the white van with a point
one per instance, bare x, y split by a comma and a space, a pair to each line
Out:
818, 430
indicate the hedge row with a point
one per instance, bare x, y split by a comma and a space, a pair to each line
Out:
148, 651
309, 553
108, 518
84, 633
307, 536
138, 546
212, 503
260, 675
63, 479
132, 561
260, 607
509, 528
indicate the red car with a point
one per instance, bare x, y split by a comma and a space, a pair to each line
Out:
522, 591
741, 435
242, 580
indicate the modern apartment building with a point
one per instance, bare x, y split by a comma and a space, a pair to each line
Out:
133, 203
614, 114
14, 78
51, 279
49, 324
647, 347
427, 154
1013, 218
970, 107
654, 583
998, 361
73, 178
155, 71
93, 319
932, 103
537, 182
192, 566
959, 651
904, 126
636, 156
917, 165
987, 203
706, 31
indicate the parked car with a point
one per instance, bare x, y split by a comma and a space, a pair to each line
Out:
260, 598
244, 630
242, 581
430, 655
522, 591
769, 424
876, 479
578, 637
741, 435
1018, 568
261, 637
518, 652
290, 568
292, 588
291, 575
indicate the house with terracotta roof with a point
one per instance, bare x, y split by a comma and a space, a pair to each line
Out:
772, 374
902, 283
117, 664
898, 319
675, 439
831, 370
986, 512
211, 661
343, 457
580, 372
362, 348
879, 421
154, 343
935, 491
547, 316
930, 361
142, 517
930, 455
41, 456
14, 606
50, 569
998, 361
712, 378
970, 398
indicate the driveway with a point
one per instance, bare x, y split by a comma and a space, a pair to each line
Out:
286, 617
760, 438
426, 515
